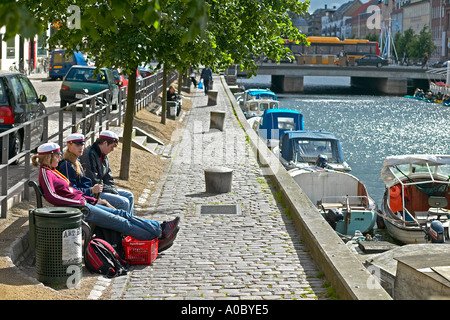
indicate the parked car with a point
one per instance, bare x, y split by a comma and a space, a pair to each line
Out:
145, 72
80, 78
60, 64
20, 103
121, 79
371, 60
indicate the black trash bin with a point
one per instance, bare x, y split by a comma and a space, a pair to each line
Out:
56, 236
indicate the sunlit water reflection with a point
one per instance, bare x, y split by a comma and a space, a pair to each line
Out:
370, 127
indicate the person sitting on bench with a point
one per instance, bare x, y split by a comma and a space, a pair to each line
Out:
59, 192
71, 167
96, 165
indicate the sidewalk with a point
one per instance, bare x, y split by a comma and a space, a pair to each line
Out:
253, 254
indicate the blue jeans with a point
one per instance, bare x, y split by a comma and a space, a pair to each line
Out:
124, 200
123, 222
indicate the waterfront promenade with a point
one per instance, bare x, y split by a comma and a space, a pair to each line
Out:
255, 253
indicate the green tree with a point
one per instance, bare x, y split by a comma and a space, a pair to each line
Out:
414, 45
113, 33
423, 43
17, 19
127, 33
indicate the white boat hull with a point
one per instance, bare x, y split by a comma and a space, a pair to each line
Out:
411, 235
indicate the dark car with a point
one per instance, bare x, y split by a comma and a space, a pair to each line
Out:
19, 103
80, 78
371, 60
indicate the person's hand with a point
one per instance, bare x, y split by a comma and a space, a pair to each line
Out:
105, 203
97, 188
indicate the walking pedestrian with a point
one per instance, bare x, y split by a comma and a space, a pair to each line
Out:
425, 60
206, 75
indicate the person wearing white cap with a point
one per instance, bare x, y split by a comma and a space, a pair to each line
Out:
71, 167
59, 192
96, 164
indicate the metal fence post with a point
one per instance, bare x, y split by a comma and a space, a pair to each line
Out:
4, 174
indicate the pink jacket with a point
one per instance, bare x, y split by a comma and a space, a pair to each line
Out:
58, 191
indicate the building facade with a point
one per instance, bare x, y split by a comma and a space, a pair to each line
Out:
22, 54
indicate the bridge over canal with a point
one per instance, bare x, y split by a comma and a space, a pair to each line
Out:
390, 80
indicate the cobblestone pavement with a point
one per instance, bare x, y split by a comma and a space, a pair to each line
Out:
253, 254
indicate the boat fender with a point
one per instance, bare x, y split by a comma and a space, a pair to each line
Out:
436, 232
333, 216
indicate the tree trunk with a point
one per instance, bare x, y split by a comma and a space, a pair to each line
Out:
164, 95
180, 80
128, 128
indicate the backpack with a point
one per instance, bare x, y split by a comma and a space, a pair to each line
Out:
114, 238
100, 257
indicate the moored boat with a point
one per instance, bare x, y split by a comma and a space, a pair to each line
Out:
314, 159
254, 101
274, 122
341, 198
415, 204
306, 148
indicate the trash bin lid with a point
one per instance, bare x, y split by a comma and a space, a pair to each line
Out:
57, 212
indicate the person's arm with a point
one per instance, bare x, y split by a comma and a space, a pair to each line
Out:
46, 181
108, 180
84, 185
89, 161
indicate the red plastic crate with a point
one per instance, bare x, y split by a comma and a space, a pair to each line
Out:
140, 252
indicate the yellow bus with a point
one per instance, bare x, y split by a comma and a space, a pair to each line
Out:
321, 49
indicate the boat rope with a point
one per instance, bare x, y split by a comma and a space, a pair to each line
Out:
395, 220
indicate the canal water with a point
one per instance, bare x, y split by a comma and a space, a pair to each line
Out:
369, 127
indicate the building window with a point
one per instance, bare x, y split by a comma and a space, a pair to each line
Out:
11, 48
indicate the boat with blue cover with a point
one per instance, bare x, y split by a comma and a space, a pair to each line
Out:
304, 148
254, 101
274, 122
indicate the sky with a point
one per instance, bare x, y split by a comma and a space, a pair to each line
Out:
318, 4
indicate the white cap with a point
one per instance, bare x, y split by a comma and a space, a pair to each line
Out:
75, 138
48, 148
109, 135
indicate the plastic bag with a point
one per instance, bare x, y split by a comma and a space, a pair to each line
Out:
200, 84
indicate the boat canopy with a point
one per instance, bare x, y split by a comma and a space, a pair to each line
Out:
280, 119
425, 160
252, 94
306, 146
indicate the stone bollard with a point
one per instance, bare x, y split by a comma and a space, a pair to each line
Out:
212, 97
217, 119
218, 179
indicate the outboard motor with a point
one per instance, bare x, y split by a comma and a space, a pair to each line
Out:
333, 216
436, 232
322, 161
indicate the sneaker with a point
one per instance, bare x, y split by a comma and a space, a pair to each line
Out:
169, 227
167, 242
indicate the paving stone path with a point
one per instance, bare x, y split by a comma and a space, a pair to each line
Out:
253, 254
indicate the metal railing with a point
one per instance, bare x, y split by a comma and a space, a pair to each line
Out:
15, 172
